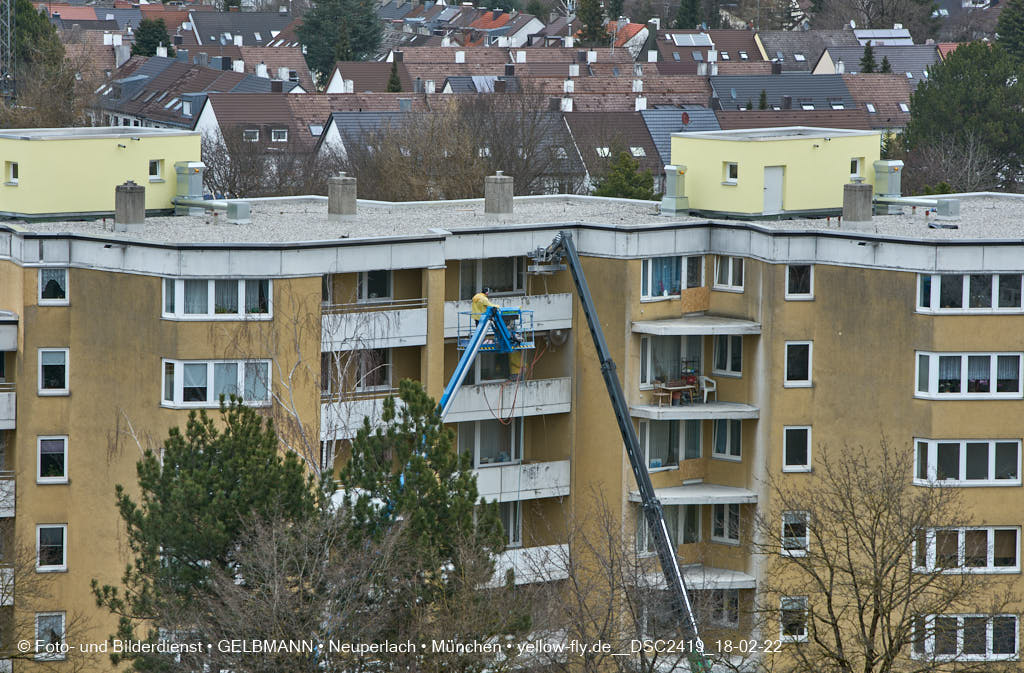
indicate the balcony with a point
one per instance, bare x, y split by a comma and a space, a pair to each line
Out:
8, 331
6, 494
8, 406
342, 418
511, 398
524, 481
696, 325
700, 577
532, 564
550, 311
389, 324
695, 412
6, 590
700, 494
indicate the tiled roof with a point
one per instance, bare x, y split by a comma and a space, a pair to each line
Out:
472, 55
92, 60
439, 72
821, 91
491, 20
945, 48
915, 59
599, 135
610, 102
884, 92
255, 27
373, 75
88, 26
133, 17
173, 18
801, 49
279, 57
479, 84
731, 45
688, 84
832, 119
662, 122
67, 12
626, 33
394, 9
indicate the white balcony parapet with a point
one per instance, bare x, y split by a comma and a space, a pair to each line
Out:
6, 494
341, 419
700, 494
511, 398
6, 666
6, 590
697, 325
8, 406
393, 324
532, 564
701, 577
550, 311
695, 412
524, 481
8, 331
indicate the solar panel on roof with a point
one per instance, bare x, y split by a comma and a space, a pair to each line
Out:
692, 40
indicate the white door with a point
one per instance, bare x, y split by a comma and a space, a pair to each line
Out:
773, 189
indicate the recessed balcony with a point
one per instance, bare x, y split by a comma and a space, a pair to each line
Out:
524, 481
532, 564
511, 398
550, 311
390, 324
6, 494
8, 406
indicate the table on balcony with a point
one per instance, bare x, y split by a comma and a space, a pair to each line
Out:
684, 386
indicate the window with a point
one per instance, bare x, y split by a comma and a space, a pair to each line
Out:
870, 107
51, 548
799, 282
661, 277
278, 135
373, 286
793, 619
806, 106
186, 108
725, 523
966, 637
49, 643
251, 135
728, 354
968, 375
691, 523
798, 364
603, 152
663, 358
904, 107
743, 56
491, 442
855, 167
53, 371
512, 520
156, 170
727, 439
799, 58
373, 369
968, 550
637, 151
694, 271
203, 299
796, 449
729, 273
53, 287
795, 539
969, 293
644, 539
201, 383
660, 443
11, 173
724, 55
51, 464
504, 275
730, 173
984, 462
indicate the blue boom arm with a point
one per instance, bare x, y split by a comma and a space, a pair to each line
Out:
503, 343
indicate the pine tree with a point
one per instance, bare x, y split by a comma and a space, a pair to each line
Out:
150, 34
536, 8
35, 41
886, 66
1011, 28
339, 30
394, 83
614, 9
762, 104
590, 14
867, 61
624, 179
688, 14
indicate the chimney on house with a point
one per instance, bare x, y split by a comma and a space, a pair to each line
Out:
238, 65
521, 56
261, 70
108, 39
640, 103
178, 40
117, 39
236, 40
498, 194
460, 56
500, 86
417, 85
182, 55
282, 73
225, 63
592, 56
574, 70
675, 201
776, 68
569, 41
276, 86
840, 67
857, 209
638, 86
568, 86
787, 102
129, 207
341, 198
161, 50
202, 59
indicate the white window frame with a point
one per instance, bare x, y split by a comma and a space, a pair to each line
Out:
933, 393
718, 607
516, 429
797, 551
53, 302
54, 392
870, 107
211, 310
211, 402
278, 135
514, 538
730, 173
644, 543
519, 281
361, 375
727, 340
858, 171
362, 285
730, 536
800, 296
62, 567
931, 463
159, 175
786, 467
644, 435
733, 426
931, 553
40, 653
647, 279
786, 603
799, 383
40, 479
935, 293
729, 263
251, 135
11, 174
929, 639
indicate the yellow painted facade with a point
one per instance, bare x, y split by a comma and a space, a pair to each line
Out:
730, 172
71, 171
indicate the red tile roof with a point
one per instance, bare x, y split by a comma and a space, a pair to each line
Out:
491, 20
68, 12
626, 33
946, 47
884, 92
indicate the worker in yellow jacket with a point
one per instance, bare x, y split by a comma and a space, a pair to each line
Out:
480, 304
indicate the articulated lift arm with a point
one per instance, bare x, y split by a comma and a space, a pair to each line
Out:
504, 342
563, 245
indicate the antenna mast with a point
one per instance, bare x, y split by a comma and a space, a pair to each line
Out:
7, 48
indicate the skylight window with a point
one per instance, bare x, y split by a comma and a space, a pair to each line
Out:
799, 58
904, 107
603, 151
725, 55
743, 56
697, 56
675, 55
838, 106
806, 106
170, 103
316, 129
637, 151
259, 38
149, 97
870, 107
910, 75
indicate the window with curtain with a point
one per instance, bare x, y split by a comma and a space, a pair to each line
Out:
257, 296
949, 374
53, 285
231, 299
691, 440
225, 296
194, 386
257, 376
662, 443
196, 297
53, 370
665, 357
662, 276
225, 379
969, 374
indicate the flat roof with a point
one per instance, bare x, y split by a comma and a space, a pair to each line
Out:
984, 217
91, 132
780, 133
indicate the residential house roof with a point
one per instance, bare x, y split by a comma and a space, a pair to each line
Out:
478, 84
801, 49
66, 11
833, 119
820, 91
662, 122
491, 20
881, 96
276, 58
133, 17
688, 84
600, 136
256, 28
625, 33
946, 48
689, 48
560, 27
627, 102
911, 61
91, 26
470, 55
394, 9
372, 75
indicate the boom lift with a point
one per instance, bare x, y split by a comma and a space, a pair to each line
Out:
547, 260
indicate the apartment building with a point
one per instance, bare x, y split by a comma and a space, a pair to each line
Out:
809, 333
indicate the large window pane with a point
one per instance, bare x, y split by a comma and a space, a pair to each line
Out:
168, 295
946, 543
54, 283
51, 458
945, 635
922, 460
691, 440
922, 373
737, 271
375, 285
924, 299
951, 291
975, 635
666, 275
194, 389
1005, 548
501, 274
948, 461
225, 379
664, 440
798, 362
196, 298
979, 370
949, 373
736, 353
977, 460
168, 381
225, 296
54, 370
666, 356
796, 447
257, 374
1004, 635
694, 271
1006, 460
51, 546
1009, 290
645, 280
980, 290
257, 296
799, 279
691, 524
975, 548
1008, 373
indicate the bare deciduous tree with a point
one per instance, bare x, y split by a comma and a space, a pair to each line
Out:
961, 161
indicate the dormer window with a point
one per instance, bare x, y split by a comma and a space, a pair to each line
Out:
743, 56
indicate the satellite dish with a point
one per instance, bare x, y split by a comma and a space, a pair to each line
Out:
686, 118
853, 24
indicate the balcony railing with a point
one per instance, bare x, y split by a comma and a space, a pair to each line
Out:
6, 589
341, 416
524, 481
8, 406
550, 311
6, 494
386, 324
532, 564
512, 398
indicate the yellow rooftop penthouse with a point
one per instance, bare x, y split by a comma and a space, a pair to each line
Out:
779, 172
72, 172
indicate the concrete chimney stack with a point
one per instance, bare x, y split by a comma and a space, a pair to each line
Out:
857, 208
129, 207
498, 194
341, 198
